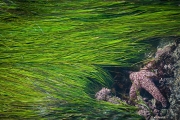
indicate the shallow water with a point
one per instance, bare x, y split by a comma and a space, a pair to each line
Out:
52, 52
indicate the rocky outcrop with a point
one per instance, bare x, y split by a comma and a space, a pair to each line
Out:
168, 69
166, 65
174, 84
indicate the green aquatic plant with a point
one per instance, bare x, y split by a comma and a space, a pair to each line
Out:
51, 62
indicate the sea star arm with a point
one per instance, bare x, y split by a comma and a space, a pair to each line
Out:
149, 86
143, 79
134, 89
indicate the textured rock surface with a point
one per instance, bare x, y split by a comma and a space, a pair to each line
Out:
169, 85
173, 113
105, 95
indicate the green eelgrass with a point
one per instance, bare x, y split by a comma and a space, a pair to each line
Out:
52, 53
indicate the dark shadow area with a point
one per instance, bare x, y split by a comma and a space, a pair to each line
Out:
121, 83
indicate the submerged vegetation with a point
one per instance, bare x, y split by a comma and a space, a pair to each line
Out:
53, 53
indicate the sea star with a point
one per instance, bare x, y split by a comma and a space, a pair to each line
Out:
143, 79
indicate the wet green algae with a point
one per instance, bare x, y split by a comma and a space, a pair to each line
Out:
52, 54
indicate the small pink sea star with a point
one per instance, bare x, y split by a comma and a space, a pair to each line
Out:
143, 79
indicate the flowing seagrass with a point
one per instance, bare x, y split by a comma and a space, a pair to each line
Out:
52, 53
